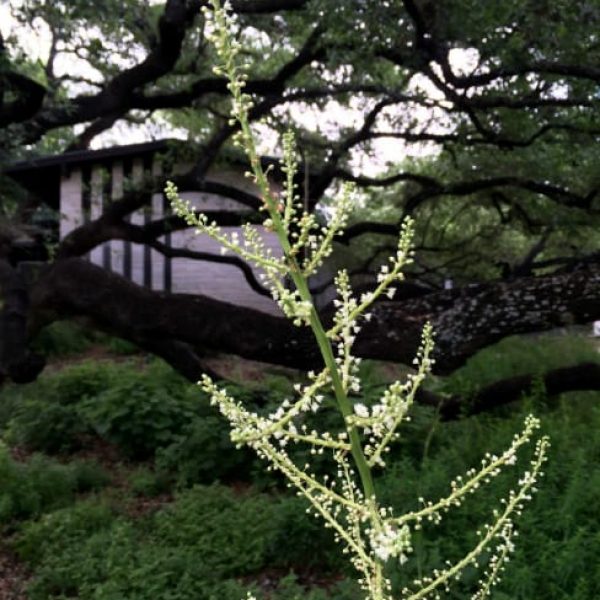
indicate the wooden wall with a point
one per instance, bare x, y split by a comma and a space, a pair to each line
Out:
85, 190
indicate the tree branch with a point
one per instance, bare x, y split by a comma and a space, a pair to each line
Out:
466, 320
582, 377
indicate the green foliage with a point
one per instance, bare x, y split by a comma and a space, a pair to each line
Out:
138, 409
41, 485
301, 541
191, 549
120, 346
202, 452
143, 410
45, 426
136, 414
46, 414
289, 588
230, 535
89, 551
48, 537
64, 338
89, 475
69, 338
146, 482
29, 489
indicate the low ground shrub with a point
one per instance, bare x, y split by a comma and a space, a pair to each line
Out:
89, 475
137, 415
65, 338
203, 453
40, 485
140, 409
147, 482
46, 415
48, 538
198, 547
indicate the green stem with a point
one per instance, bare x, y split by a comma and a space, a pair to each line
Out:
324, 344
301, 284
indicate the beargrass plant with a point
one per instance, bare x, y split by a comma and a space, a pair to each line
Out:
371, 534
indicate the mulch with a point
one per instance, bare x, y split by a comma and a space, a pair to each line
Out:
14, 577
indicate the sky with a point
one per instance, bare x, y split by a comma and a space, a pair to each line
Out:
35, 43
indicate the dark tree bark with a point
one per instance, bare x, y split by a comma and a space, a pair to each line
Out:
465, 320
17, 361
582, 377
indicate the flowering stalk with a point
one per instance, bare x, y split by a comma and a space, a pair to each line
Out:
347, 501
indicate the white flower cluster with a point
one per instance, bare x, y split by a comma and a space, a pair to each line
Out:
501, 528
348, 328
390, 542
388, 275
346, 500
220, 24
321, 246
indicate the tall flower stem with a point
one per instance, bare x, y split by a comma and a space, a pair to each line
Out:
347, 502
241, 107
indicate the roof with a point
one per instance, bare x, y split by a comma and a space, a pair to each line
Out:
41, 175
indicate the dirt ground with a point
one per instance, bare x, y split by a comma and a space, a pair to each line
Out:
13, 577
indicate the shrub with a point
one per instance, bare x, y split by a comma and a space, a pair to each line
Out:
231, 535
48, 538
89, 475
122, 347
64, 338
203, 453
47, 416
139, 409
137, 414
145, 482
28, 489
301, 542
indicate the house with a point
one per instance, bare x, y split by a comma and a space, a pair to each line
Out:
80, 184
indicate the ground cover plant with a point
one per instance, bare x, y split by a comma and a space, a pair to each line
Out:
42, 485
64, 542
371, 534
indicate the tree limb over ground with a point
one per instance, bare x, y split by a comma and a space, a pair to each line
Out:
465, 320
582, 377
184, 329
